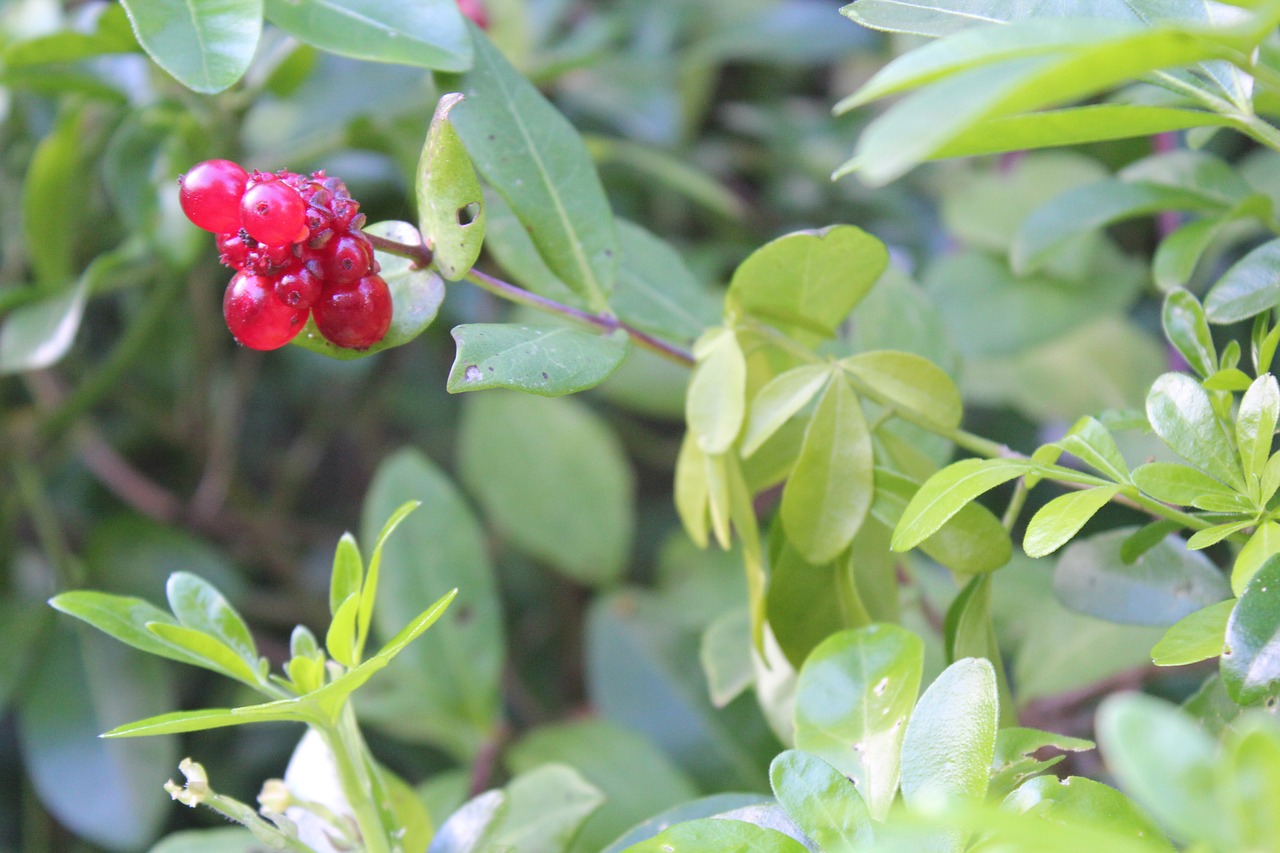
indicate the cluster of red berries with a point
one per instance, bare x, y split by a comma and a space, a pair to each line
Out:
297, 248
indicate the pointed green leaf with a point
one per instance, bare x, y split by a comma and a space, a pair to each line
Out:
206, 46
807, 282
536, 160
347, 573
199, 606
1249, 287
853, 697
369, 590
715, 405
340, 639
1173, 482
821, 801
427, 34
830, 489
1251, 657
1262, 544
1091, 443
911, 382
1214, 534
125, 618
209, 651
971, 541
949, 490
1175, 259
1181, 414
1055, 523
780, 399
1195, 637
1187, 329
549, 361
1256, 424
450, 204
178, 722
1228, 379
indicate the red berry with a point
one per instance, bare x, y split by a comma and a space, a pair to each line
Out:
474, 9
256, 317
298, 289
346, 259
272, 212
233, 250
210, 195
356, 317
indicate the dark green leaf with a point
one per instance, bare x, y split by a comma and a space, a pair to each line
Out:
1181, 414
820, 800
1158, 588
1058, 521
808, 602
830, 489
1195, 637
656, 292
549, 361
1251, 656
206, 46
536, 160
808, 282
1187, 329
451, 210
853, 697
428, 34
1249, 287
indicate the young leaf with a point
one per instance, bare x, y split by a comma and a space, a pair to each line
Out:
1249, 287
821, 801
853, 697
807, 282
692, 491
340, 639
369, 589
1262, 544
549, 361
205, 46
209, 651
1250, 663
451, 210
1173, 482
1159, 588
1214, 534
535, 159
830, 489
38, 334
780, 399
1181, 414
200, 607
971, 541
178, 722
1256, 425
125, 618
426, 34
1187, 329
945, 493
347, 574
909, 381
950, 740
1061, 519
1195, 637
715, 404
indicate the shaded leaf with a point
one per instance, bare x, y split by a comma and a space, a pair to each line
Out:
1250, 286
428, 34
549, 361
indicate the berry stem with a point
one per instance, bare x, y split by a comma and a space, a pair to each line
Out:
421, 256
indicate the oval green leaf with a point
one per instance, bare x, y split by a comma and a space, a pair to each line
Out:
1251, 657
1249, 287
426, 33
1195, 637
549, 361
947, 492
909, 381
451, 212
1061, 519
1181, 414
206, 46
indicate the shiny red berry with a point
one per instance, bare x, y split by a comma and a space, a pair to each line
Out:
210, 195
256, 317
298, 289
356, 317
233, 250
273, 213
346, 259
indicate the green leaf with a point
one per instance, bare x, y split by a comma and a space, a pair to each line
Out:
1079, 800
1216, 533
725, 654
1187, 329
1013, 763
656, 292
442, 690
111, 34
103, 792
721, 835
369, 589
469, 828
51, 214
1175, 259
692, 489
1251, 657
549, 361
597, 749
1181, 414
853, 697
209, 651
536, 160
1158, 588
807, 602
1058, 521
224, 840
780, 399
715, 405
1147, 537
947, 492
1256, 426
1262, 544
820, 800
347, 573
1250, 774
1195, 637
909, 381
427, 34
199, 606
416, 295
950, 740
1091, 443
807, 282
125, 618
340, 639
206, 46
450, 204
971, 541
829, 491
1249, 287
553, 477
180, 722
703, 807
1173, 482
1228, 379
38, 334
1165, 762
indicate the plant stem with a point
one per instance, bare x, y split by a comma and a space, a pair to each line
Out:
351, 758
421, 257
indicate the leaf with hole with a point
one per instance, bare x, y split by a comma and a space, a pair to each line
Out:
549, 361
451, 211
